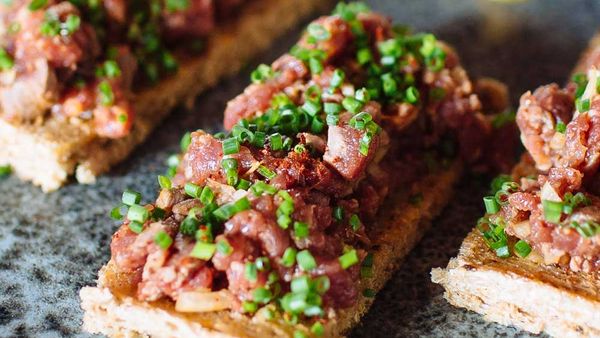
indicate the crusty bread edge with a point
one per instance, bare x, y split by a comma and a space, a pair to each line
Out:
401, 225
521, 293
47, 154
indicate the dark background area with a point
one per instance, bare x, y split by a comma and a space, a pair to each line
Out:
52, 245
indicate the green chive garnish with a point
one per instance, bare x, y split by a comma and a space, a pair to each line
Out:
348, 259
289, 257
250, 272
301, 229
552, 210
203, 250
522, 248
163, 240
305, 260
138, 213
131, 197
227, 211
491, 206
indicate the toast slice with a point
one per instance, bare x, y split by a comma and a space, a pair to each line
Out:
519, 292
400, 226
48, 153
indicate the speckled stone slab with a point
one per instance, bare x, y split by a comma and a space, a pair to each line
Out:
52, 245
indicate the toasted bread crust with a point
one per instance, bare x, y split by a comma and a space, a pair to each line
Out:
520, 292
401, 225
48, 153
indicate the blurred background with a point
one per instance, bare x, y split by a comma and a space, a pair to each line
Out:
52, 245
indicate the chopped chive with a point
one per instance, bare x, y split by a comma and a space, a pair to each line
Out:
289, 257
163, 240
107, 96
131, 197
189, 225
318, 32
207, 195
115, 213
348, 259
332, 120
301, 284
231, 146
305, 260
315, 65
157, 214
586, 229
138, 213
243, 184
276, 142
164, 182
204, 234
318, 329
301, 229
322, 284
362, 95
261, 187
37, 4
6, 61
185, 142
355, 222
299, 148
338, 213
582, 105
299, 334
338, 78
412, 95
332, 108
522, 248
552, 210
352, 105
227, 211
203, 250
266, 172
491, 206
223, 247
250, 272
561, 127
390, 87
311, 108
249, 307
363, 56
192, 190
261, 74
136, 227
262, 295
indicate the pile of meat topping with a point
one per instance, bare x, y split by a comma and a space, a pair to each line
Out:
79, 58
558, 211
275, 215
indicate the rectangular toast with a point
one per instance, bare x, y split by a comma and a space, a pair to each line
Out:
305, 179
522, 292
48, 153
396, 232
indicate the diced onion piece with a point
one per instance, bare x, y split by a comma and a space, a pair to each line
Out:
558, 141
199, 301
522, 229
590, 89
549, 194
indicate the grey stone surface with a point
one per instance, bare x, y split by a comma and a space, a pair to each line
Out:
52, 245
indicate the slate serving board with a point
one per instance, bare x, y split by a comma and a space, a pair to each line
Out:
52, 245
